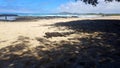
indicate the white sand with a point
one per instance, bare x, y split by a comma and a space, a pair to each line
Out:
10, 31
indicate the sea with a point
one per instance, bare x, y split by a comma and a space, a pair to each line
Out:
46, 15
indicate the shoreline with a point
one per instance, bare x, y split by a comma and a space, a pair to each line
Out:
37, 18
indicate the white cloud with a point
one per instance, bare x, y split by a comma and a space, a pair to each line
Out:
80, 7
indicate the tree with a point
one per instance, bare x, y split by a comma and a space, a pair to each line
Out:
95, 2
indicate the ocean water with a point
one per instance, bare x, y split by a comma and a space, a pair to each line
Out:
56, 14
46, 15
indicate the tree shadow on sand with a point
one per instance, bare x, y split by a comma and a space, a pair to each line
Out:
100, 51
103, 48
110, 26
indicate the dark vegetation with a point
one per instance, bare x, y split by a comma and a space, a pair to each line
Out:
94, 51
95, 2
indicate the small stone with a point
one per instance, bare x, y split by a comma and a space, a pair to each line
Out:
44, 49
76, 51
11, 65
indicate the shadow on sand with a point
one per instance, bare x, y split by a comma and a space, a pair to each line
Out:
110, 26
100, 51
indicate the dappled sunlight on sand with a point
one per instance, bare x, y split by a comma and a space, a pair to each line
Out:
60, 43
11, 30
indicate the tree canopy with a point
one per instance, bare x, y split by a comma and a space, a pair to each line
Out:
95, 2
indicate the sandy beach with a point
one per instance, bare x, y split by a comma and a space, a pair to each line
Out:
48, 41
10, 31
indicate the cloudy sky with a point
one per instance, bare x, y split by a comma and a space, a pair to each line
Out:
81, 7
51, 6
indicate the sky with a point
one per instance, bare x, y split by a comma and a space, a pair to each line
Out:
54, 6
